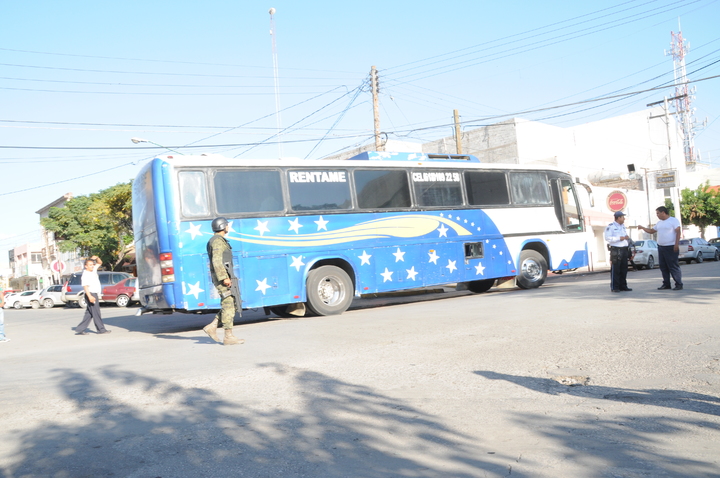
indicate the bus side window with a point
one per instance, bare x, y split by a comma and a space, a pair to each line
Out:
382, 189
248, 191
486, 188
319, 190
437, 188
193, 194
529, 187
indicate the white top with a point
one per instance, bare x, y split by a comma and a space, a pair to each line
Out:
92, 280
666, 231
613, 232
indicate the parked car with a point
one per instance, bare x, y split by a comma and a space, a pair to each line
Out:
646, 254
715, 242
122, 293
697, 249
51, 296
7, 292
73, 293
28, 298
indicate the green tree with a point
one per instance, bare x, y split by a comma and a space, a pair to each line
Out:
700, 207
100, 223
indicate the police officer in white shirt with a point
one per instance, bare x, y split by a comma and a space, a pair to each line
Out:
617, 237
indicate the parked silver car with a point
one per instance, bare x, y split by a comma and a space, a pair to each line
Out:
646, 254
697, 249
51, 296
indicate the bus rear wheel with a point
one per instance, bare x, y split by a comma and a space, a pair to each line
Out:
532, 271
329, 290
480, 286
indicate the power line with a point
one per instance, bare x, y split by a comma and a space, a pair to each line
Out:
120, 72
533, 46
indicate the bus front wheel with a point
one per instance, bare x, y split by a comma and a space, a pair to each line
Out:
329, 290
533, 269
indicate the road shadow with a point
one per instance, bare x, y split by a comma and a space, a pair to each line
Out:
133, 425
628, 444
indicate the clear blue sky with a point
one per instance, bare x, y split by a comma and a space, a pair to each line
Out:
86, 74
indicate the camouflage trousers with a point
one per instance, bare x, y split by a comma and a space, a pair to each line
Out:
226, 316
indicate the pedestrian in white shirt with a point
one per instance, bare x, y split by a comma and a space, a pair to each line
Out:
668, 238
91, 284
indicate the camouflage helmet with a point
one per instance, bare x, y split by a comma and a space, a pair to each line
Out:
219, 224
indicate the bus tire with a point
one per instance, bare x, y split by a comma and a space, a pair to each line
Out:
532, 271
329, 290
480, 286
281, 311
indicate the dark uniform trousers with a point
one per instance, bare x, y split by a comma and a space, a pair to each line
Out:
618, 268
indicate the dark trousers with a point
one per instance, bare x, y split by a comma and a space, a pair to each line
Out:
92, 313
669, 265
618, 268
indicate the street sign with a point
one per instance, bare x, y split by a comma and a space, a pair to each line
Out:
665, 179
57, 266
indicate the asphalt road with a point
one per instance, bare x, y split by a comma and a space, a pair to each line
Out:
567, 380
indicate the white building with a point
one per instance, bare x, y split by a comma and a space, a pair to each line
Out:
597, 154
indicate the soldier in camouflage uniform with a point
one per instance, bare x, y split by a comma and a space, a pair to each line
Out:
220, 253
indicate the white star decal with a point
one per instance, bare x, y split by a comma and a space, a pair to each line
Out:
494, 246
321, 223
387, 275
262, 227
443, 230
433, 257
295, 225
411, 273
194, 290
501, 253
230, 223
399, 255
194, 231
365, 258
297, 262
451, 265
262, 285
480, 269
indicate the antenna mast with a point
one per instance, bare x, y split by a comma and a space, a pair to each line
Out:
683, 98
278, 121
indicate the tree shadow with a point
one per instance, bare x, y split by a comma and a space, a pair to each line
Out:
628, 444
138, 426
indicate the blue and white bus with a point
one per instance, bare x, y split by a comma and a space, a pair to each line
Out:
308, 236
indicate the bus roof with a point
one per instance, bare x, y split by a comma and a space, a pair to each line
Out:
398, 160
389, 156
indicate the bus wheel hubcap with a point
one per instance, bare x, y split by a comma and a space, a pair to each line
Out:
531, 270
330, 290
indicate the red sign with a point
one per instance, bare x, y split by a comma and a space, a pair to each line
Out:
57, 266
617, 201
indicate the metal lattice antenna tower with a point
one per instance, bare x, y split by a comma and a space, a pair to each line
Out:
278, 121
683, 98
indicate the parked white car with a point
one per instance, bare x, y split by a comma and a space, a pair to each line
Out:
28, 298
646, 254
697, 249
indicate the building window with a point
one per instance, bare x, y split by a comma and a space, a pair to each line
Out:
36, 258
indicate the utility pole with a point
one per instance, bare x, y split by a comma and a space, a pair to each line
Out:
376, 108
458, 137
674, 192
